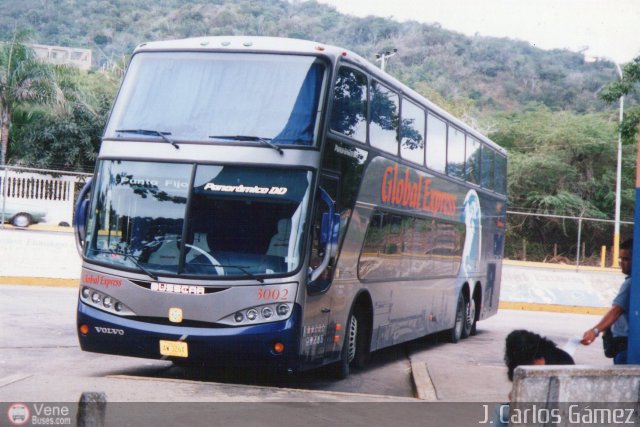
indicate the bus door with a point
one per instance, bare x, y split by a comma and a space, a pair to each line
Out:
318, 330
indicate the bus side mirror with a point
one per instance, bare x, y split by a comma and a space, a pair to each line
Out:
329, 232
80, 215
329, 228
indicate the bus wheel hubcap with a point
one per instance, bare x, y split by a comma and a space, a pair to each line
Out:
351, 339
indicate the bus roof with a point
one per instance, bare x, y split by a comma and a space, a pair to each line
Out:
297, 46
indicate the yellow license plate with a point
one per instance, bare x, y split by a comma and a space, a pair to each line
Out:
174, 348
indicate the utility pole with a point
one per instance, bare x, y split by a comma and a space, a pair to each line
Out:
384, 57
616, 231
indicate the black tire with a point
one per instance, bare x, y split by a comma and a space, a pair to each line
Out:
469, 318
458, 326
22, 219
354, 352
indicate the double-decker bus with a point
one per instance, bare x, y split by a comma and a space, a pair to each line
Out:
283, 203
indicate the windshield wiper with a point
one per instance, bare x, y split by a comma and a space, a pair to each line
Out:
151, 132
144, 270
243, 269
261, 140
132, 258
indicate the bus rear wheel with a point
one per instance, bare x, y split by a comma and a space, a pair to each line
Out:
469, 318
458, 326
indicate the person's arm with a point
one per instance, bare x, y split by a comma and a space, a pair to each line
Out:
608, 320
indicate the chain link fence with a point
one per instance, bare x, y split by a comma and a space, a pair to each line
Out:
562, 239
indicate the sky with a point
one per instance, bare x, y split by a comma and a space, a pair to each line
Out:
602, 28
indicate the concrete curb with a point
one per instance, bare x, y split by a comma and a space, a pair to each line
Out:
546, 265
425, 389
554, 308
321, 395
39, 281
39, 227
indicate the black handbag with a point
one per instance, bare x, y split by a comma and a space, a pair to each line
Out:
612, 345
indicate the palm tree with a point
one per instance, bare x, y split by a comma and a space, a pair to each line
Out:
23, 80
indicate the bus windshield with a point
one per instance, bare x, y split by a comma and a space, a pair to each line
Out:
220, 97
228, 221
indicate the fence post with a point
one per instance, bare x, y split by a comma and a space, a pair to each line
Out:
578, 245
4, 194
603, 256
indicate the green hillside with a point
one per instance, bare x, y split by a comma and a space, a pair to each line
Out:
485, 73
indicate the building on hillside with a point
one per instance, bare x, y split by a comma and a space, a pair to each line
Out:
80, 58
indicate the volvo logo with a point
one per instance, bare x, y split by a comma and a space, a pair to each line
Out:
110, 331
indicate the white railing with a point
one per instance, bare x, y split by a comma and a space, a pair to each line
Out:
43, 196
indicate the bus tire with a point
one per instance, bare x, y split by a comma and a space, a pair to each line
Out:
354, 352
469, 318
456, 332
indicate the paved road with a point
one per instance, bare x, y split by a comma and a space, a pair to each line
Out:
40, 361
38, 347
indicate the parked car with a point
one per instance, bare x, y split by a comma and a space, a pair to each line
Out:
20, 214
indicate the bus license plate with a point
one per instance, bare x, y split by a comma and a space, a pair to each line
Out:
174, 348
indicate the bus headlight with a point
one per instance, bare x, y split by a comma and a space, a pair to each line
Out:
103, 302
96, 297
267, 312
261, 314
283, 310
252, 314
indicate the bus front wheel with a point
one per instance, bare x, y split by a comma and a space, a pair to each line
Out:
354, 352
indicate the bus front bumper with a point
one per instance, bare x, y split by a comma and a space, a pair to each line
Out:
249, 346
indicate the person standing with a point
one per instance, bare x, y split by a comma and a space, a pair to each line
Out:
616, 317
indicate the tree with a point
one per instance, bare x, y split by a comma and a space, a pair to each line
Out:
624, 87
23, 80
65, 138
559, 164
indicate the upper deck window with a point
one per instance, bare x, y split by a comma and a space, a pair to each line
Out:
221, 97
412, 132
501, 174
472, 163
455, 153
383, 128
436, 144
349, 112
488, 168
